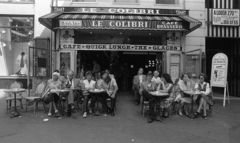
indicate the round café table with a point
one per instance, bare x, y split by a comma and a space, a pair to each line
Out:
161, 95
58, 91
14, 91
192, 93
97, 92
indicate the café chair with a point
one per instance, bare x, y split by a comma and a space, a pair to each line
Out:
10, 97
37, 97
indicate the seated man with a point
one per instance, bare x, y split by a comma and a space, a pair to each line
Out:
137, 80
74, 86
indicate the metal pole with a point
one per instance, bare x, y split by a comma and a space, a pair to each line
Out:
28, 77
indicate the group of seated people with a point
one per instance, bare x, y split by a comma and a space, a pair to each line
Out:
143, 85
81, 87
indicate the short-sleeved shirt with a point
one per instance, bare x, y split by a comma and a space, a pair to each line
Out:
88, 84
54, 84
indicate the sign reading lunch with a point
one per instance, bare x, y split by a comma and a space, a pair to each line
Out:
120, 47
227, 17
107, 10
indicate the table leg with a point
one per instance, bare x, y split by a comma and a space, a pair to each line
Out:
15, 113
97, 111
158, 118
191, 116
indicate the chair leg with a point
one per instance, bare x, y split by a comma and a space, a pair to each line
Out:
21, 103
6, 106
10, 104
44, 107
27, 101
34, 104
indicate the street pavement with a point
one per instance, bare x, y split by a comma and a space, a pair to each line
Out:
128, 126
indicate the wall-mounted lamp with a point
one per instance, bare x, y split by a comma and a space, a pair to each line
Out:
10, 19
132, 66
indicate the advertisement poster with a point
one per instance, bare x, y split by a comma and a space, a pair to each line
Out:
174, 71
173, 38
228, 17
65, 61
219, 70
67, 37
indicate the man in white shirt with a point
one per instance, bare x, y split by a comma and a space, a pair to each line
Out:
156, 78
137, 80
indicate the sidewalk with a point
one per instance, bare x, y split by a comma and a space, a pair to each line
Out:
127, 126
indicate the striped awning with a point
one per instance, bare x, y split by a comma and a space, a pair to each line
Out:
47, 20
194, 23
117, 17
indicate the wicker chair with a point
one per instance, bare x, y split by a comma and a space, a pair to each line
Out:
37, 97
10, 97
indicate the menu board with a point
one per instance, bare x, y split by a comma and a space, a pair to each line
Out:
219, 70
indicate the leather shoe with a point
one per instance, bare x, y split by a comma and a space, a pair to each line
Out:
150, 120
112, 112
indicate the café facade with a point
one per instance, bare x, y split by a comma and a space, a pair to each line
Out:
148, 38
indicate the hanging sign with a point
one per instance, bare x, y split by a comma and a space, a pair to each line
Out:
173, 38
120, 47
227, 17
109, 10
67, 37
219, 70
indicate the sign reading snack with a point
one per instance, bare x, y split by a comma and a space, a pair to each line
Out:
70, 23
120, 47
228, 17
110, 10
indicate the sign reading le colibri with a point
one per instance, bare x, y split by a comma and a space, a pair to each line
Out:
120, 47
109, 10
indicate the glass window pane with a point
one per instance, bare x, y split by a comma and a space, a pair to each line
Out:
126, 1
167, 1
16, 0
15, 34
84, 0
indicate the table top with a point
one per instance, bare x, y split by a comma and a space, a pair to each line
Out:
59, 90
97, 91
160, 94
193, 92
14, 90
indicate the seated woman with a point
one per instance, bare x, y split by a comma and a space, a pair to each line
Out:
205, 97
88, 84
110, 86
184, 85
53, 83
166, 86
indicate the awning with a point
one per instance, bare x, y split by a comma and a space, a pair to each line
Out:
126, 22
194, 23
117, 17
47, 20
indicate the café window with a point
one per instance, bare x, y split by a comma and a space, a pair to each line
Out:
20, 1
84, 0
15, 35
167, 2
126, 1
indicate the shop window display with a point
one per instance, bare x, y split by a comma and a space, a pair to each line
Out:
15, 35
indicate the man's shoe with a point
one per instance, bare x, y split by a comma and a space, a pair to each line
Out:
150, 120
84, 114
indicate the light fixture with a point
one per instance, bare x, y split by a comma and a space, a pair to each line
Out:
120, 33
150, 34
28, 20
3, 31
132, 66
91, 32
146, 66
10, 19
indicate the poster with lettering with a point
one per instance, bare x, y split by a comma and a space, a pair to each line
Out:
227, 17
67, 37
173, 38
219, 70
65, 62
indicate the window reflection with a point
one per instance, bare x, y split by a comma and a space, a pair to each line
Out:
15, 34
